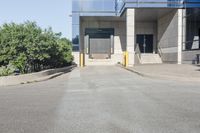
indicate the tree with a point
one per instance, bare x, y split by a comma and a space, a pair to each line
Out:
29, 48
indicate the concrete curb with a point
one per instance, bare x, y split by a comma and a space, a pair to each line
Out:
165, 77
34, 77
134, 71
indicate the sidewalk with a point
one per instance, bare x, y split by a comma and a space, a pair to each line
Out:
183, 72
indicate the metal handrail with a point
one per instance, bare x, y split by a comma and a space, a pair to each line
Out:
160, 52
196, 40
138, 52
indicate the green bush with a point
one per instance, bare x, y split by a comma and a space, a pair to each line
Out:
7, 70
29, 48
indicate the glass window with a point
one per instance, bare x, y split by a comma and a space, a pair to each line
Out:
75, 37
93, 5
75, 34
75, 5
192, 29
75, 18
157, 3
192, 3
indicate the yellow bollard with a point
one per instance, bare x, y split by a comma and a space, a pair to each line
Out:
124, 59
81, 60
127, 58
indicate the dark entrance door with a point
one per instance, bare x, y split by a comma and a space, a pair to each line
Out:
145, 43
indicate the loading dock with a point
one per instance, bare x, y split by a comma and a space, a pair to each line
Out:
99, 42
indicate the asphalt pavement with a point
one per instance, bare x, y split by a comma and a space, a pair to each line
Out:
101, 99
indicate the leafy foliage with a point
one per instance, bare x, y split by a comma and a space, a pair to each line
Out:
4, 71
29, 48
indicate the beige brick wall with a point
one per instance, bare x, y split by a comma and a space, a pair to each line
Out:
119, 37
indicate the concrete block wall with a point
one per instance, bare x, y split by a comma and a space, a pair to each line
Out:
168, 36
76, 57
130, 35
119, 37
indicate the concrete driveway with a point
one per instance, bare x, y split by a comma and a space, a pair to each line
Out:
101, 100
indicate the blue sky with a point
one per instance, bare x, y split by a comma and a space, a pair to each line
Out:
54, 13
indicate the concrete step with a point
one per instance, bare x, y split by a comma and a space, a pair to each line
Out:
100, 62
100, 56
150, 59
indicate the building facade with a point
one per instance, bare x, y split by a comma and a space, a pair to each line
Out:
107, 32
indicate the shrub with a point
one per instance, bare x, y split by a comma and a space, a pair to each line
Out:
29, 48
7, 70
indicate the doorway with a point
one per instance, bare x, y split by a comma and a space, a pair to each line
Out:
100, 42
99, 48
145, 42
